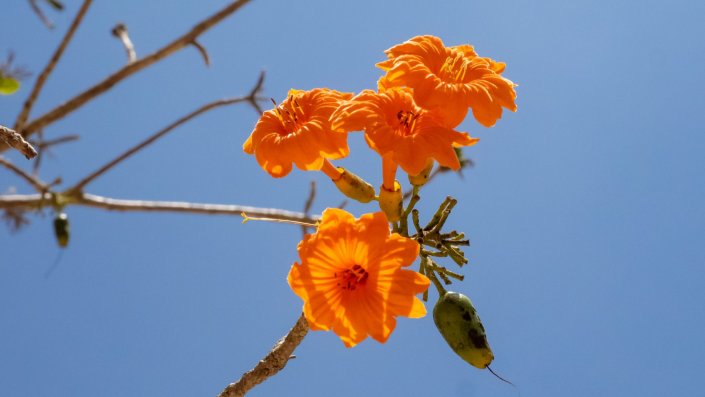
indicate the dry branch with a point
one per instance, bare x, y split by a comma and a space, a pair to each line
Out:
36, 183
272, 363
202, 50
36, 201
41, 79
250, 98
16, 141
130, 69
120, 31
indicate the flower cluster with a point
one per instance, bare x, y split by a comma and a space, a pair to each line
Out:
350, 276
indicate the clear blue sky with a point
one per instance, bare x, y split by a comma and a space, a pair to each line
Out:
585, 208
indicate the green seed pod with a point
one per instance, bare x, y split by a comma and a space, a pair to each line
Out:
458, 322
62, 229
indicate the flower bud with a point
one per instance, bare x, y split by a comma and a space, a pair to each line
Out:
354, 187
422, 177
390, 202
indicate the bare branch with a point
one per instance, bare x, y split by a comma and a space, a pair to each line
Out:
202, 50
253, 97
41, 79
223, 102
92, 200
36, 183
272, 363
16, 141
130, 69
45, 144
309, 204
45, 20
120, 31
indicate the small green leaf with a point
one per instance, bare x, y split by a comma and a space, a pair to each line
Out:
8, 85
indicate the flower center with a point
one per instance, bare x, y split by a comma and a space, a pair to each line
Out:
407, 120
453, 69
291, 114
349, 279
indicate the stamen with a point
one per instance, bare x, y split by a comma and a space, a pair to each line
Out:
349, 279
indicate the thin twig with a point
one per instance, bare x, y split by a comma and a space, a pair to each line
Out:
16, 141
253, 97
45, 145
32, 201
120, 31
130, 69
272, 363
56, 141
45, 20
202, 50
36, 183
41, 79
308, 204
223, 102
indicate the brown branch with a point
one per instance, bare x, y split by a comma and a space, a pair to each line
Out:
45, 144
16, 141
272, 363
41, 79
36, 183
202, 50
45, 20
223, 102
120, 31
130, 69
32, 201
308, 204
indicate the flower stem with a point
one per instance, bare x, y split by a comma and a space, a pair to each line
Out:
330, 170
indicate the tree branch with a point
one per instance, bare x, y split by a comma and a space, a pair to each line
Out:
129, 69
36, 183
41, 79
202, 50
46, 21
272, 363
33, 201
120, 31
251, 98
16, 141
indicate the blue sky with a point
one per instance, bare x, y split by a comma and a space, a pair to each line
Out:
585, 208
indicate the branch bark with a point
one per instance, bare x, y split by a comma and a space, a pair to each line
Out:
44, 75
251, 98
120, 31
36, 183
17, 142
130, 69
272, 363
34, 201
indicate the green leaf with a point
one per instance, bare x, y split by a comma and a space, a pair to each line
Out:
8, 85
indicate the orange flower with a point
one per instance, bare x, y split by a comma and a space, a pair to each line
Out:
450, 79
298, 131
400, 131
351, 277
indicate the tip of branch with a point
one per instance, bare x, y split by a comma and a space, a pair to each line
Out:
17, 141
202, 50
252, 96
